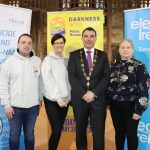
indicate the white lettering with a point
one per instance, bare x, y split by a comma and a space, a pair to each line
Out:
144, 137
143, 26
7, 33
91, 23
134, 25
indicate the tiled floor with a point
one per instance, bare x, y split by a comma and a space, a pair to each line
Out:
41, 135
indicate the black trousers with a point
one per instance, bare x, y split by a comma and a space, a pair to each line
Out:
124, 125
56, 116
97, 123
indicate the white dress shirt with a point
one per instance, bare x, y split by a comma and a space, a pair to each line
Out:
92, 53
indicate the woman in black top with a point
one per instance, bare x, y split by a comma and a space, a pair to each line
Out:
128, 95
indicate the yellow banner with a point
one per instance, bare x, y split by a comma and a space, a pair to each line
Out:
71, 24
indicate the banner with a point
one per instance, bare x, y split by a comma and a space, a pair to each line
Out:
71, 24
14, 21
137, 28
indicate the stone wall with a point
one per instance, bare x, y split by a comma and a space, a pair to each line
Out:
1, 1
116, 36
39, 33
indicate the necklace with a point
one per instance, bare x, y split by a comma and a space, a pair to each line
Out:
88, 77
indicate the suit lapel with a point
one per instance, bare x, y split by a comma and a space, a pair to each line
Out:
94, 69
85, 62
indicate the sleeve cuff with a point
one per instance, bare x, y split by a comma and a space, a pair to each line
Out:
138, 112
40, 97
7, 105
95, 96
59, 100
69, 97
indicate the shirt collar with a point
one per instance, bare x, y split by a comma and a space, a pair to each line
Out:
92, 50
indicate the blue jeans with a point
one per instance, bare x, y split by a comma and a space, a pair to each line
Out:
26, 118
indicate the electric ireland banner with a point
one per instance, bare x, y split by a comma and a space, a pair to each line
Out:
14, 21
137, 28
71, 24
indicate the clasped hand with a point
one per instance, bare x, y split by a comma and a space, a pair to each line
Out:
88, 97
64, 102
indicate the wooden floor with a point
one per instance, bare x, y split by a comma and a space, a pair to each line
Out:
41, 136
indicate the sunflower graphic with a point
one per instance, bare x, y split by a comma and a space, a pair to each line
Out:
57, 26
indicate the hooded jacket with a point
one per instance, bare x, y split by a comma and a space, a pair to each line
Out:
21, 81
55, 78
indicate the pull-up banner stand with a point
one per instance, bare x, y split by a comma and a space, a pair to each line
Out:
137, 28
14, 21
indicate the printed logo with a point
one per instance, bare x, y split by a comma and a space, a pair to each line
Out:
144, 28
3, 15
35, 69
57, 26
10, 18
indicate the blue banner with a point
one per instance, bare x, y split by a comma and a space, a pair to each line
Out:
14, 21
137, 28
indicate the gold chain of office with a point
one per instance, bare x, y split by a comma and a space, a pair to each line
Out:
88, 77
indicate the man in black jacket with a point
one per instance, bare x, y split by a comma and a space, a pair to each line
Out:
89, 71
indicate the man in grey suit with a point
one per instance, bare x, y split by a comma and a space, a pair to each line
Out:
89, 71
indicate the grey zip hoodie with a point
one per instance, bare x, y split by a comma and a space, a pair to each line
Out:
55, 78
21, 81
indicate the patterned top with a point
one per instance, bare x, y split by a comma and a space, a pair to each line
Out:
128, 82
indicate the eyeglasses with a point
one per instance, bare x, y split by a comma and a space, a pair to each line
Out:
57, 43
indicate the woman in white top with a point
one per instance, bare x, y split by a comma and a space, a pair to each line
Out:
56, 88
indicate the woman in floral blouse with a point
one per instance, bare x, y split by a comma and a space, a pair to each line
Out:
128, 95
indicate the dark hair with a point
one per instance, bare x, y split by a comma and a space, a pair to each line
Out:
56, 37
25, 34
89, 29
